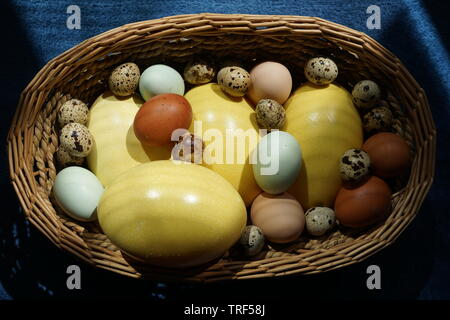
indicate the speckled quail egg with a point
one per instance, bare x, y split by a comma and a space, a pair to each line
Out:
76, 139
252, 240
354, 165
124, 79
366, 94
234, 80
189, 148
377, 119
65, 159
73, 110
321, 70
319, 220
199, 72
270, 114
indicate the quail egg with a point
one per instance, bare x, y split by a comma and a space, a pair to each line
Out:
234, 80
199, 72
354, 165
252, 240
319, 220
270, 114
76, 139
189, 148
65, 159
124, 79
73, 110
321, 70
366, 94
377, 119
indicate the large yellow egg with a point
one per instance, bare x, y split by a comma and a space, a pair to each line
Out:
326, 124
116, 148
220, 113
172, 214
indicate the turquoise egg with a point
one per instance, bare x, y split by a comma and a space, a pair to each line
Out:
277, 161
159, 79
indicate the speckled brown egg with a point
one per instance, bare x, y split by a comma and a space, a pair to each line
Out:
76, 139
270, 114
65, 159
354, 165
234, 80
319, 220
321, 70
199, 72
73, 110
377, 119
252, 240
365, 94
189, 148
124, 79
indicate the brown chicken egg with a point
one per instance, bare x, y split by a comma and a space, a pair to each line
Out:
280, 217
389, 154
364, 204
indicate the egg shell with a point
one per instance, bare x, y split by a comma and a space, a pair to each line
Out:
389, 154
234, 81
280, 217
199, 72
321, 70
65, 159
377, 119
366, 94
73, 110
160, 116
364, 204
277, 161
159, 79
189, 148
124, 79
270, 80
270, 114
78, 191
354, 165
252, 240
76, 139
319, 220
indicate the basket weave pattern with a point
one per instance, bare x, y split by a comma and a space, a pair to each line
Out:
82, 72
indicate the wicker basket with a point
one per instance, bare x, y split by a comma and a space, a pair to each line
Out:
82, 72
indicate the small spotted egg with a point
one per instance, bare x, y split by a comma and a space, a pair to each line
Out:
199, 72
377, 119
354, 165
321, 70
252, 240
76, 139
234, 80
366, 94
73, 110
124, 79
189, 148
65, 159
319, 220
270, 114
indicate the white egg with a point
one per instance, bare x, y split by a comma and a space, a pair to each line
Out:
277, 161
159, 79
78, 191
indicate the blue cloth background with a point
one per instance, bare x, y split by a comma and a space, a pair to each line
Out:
417, 266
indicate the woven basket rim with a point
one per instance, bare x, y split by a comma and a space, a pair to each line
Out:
66, 234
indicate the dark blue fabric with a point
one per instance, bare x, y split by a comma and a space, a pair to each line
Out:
417, 266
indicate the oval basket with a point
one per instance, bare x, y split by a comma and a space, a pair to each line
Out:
82, 73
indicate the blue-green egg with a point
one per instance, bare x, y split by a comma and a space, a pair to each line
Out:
159, 79
277, 161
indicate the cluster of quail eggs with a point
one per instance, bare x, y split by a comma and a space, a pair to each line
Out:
75, 140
